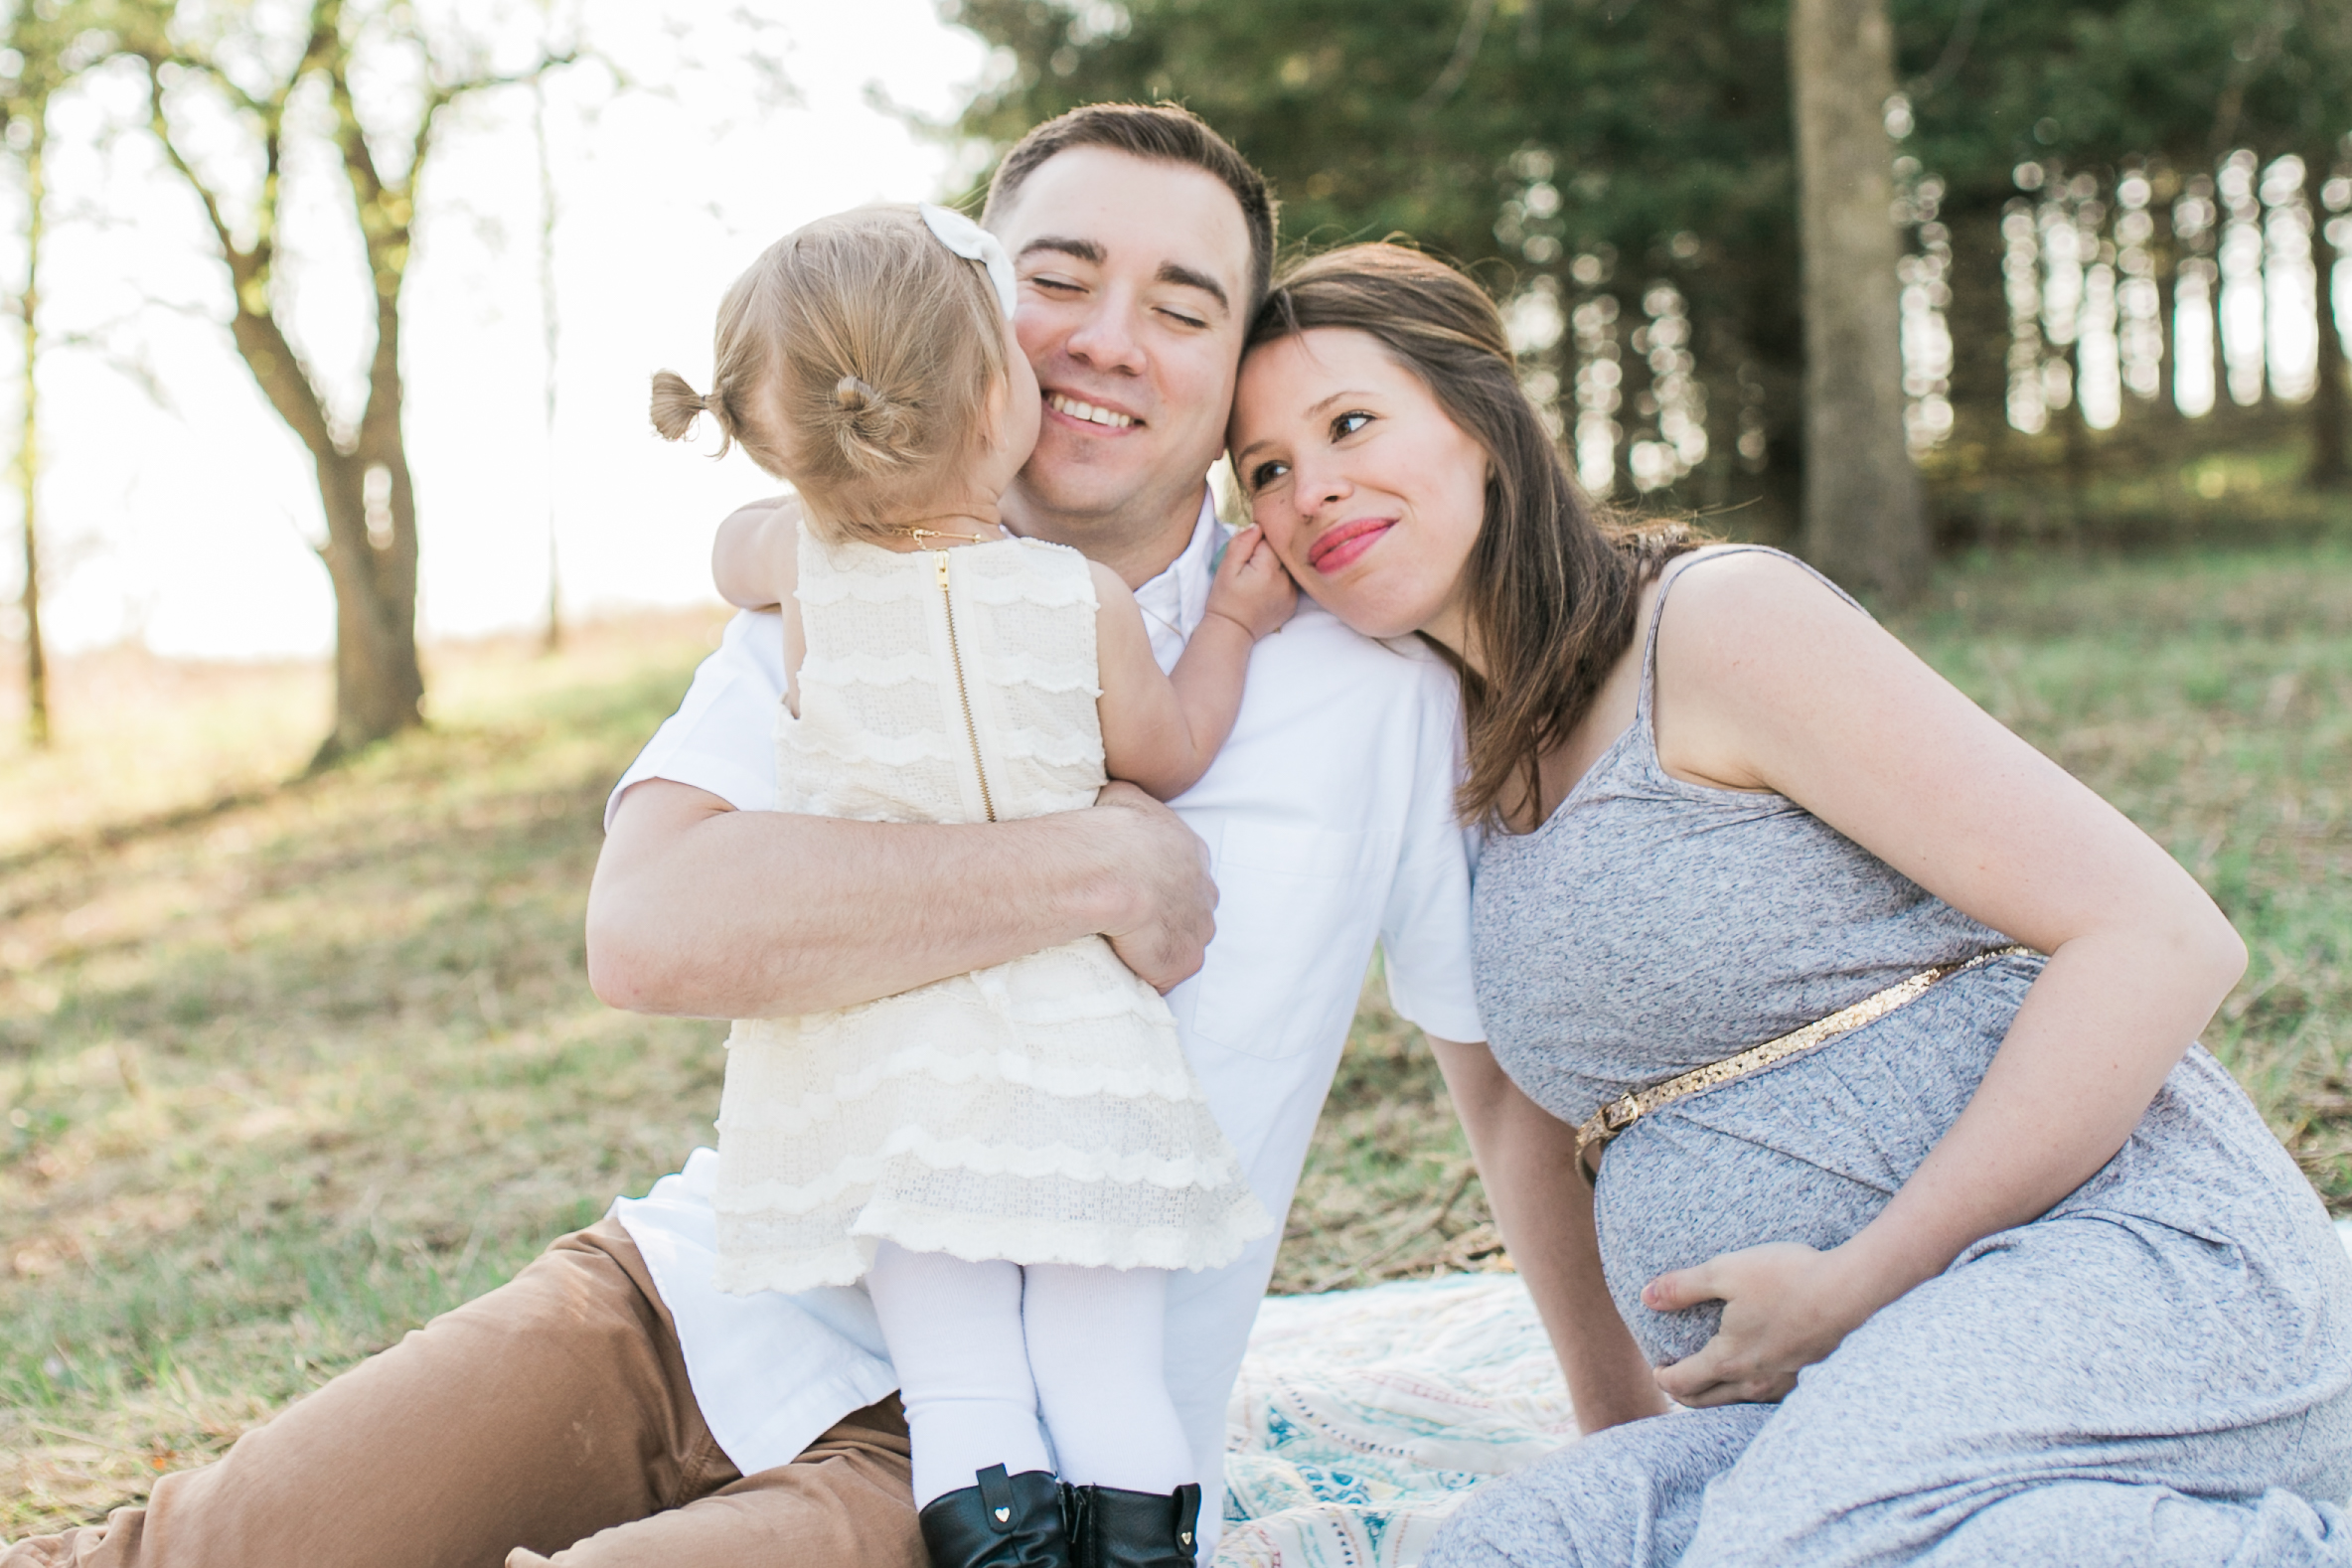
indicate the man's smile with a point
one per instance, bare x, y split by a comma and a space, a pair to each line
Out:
1090, 413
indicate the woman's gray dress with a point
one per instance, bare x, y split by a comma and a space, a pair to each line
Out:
2158, 1372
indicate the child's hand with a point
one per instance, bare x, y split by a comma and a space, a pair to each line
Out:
1252, 588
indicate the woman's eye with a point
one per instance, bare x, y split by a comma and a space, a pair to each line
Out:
1057, 284
1349, 424
1266, 473
1182, 320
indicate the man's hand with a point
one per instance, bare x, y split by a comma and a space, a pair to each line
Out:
1785, 1306
1163, 913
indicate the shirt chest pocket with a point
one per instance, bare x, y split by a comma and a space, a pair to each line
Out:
1297, 913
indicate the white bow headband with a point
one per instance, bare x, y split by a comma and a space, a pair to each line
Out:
974, 243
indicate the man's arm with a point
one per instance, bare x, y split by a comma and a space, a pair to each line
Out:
1526, 1158
702, 910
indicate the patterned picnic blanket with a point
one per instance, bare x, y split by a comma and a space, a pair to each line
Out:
1362, 1418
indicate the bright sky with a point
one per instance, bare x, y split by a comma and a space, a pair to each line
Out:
186, 526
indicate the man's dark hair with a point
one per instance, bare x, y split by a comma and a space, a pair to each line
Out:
1162, 133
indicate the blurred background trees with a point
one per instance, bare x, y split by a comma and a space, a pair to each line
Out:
2116, 239
1864, 523
2117, 219
226, 91
33, 59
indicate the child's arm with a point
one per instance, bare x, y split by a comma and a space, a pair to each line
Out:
753, 556
755, 560
1162, 731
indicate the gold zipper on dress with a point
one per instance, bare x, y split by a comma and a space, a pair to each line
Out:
964, 691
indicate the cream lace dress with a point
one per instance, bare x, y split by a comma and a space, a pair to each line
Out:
1040, 1111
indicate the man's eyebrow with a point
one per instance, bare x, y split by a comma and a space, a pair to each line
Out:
1076, 249
1183, 276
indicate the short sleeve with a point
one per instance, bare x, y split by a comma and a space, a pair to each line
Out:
722, 739
1425, 930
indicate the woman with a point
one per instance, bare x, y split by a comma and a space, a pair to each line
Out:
1981, 1260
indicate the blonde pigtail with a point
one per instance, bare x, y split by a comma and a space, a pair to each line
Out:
876, 432
675, 405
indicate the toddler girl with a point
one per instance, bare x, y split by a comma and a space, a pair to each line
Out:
1013, 1160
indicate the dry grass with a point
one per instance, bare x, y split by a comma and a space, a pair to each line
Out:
281, 1077
286, 1075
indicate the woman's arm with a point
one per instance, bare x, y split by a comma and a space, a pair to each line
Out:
1526, 1158
1768, 681
1162, 731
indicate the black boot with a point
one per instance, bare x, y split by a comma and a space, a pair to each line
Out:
1110, 1528
1006, 1521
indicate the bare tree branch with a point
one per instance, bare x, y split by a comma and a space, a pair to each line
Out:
283, 378
1466, 50
1954, 55
132, 367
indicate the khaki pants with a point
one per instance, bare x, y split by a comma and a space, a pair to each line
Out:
547, 1422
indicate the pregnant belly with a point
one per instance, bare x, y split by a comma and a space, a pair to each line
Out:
1675, 1193
1809, 1152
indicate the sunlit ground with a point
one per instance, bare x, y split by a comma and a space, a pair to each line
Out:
286, 1078
283, 1076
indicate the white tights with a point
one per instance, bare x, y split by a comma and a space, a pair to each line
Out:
984, 1349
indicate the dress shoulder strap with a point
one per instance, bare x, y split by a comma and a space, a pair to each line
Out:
1645, 702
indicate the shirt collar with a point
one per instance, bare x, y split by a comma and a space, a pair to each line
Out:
1174, 602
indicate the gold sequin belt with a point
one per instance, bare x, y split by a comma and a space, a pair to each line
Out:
1623, 1112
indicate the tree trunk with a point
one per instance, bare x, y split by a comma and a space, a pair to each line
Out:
371, 553
378, 685
2164, 249
2331, 401
27, 459
2077, 462
364, 481
1863, 518
552, 639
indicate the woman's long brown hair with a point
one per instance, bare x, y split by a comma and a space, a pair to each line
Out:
1552, 589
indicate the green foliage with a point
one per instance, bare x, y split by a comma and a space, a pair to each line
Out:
2097, 83
1662, 119
1353, 110
1655, 138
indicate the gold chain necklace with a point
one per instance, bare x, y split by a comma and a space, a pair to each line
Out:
918, 535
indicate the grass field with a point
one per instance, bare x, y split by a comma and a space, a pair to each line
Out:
286, 1068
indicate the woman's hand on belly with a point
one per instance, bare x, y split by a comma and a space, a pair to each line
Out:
1786, 1306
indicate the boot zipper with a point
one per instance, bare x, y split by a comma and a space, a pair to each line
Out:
964, 691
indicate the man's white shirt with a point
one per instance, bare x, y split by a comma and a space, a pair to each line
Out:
1328, 817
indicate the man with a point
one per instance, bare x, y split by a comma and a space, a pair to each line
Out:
608, 1406
1142, 243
